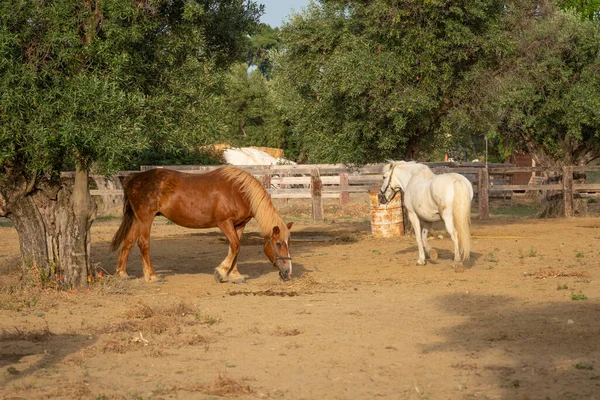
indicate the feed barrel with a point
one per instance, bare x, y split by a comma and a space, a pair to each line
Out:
386, 220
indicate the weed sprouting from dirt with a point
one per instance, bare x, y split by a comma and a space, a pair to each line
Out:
491, 258
207, 319
12, 371
531, 253
578, 296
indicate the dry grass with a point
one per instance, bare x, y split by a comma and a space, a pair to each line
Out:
307, 284
281, 331
35, 336
154, 327
544, 273
140, 311
224, 386
116, 285
143, 318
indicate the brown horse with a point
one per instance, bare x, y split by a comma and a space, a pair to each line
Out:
227, 198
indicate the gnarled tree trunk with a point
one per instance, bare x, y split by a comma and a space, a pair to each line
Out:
53, 221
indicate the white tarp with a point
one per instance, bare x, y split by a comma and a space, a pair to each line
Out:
250, 156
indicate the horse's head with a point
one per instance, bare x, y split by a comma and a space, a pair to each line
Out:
390, 185
277, 248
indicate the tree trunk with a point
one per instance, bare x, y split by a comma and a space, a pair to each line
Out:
53, 221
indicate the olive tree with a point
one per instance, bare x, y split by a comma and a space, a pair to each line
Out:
86, 84
364, 81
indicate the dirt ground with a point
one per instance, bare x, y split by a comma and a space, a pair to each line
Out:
359, 320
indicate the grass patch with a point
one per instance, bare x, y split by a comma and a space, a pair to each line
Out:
206, 319
517, 211
491, 258
578, 296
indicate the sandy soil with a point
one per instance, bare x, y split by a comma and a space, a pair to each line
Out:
359, 320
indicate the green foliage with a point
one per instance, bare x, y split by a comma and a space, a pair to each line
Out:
589, 9
263, 44
364, 81
537, 89
250, 111
97, 86
578, 296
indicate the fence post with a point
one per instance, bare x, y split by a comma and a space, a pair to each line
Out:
483, 193
266, 181
316, 188
285, 200
568, 190
344, 195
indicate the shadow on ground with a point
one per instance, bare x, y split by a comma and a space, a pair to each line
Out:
555, 342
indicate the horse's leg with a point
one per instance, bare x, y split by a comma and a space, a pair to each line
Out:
128, 243
222, 272
429, 251
416, 223
144, 245
234, 275
449, 222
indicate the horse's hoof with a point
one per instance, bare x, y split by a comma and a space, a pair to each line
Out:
433, 255
241, 280
459, 268
218, 276
420, 263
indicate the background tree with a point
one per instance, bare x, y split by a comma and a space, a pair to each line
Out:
362, 81
589, 9
252, 116
262, 45
539, 90
85, 85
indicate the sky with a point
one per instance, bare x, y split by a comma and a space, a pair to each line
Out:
278, 10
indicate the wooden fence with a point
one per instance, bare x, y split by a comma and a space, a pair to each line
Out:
320, 181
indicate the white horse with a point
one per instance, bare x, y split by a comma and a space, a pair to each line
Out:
429, 198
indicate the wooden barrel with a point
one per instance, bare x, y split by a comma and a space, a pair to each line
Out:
386, 220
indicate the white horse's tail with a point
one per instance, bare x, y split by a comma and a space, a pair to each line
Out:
461, 213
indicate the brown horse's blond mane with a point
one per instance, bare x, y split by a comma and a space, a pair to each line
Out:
263, 209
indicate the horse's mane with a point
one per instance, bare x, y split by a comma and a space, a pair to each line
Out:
414, 166
263, 209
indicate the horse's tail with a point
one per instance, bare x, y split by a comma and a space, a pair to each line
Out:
461, 214
126, 222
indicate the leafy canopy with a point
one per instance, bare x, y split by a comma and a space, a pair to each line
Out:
94, 83
364, 81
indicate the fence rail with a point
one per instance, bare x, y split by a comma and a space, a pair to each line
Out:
319, 181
